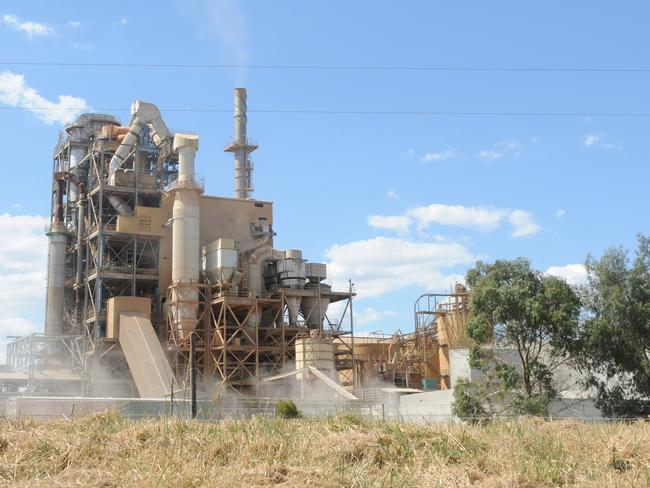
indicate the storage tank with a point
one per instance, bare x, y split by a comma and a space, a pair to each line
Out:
291, 270
220, 260
315, 272
315, 351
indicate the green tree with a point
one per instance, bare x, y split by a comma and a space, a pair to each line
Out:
515, 308
614, 346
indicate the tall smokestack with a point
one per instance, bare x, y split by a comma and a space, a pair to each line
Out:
241, 147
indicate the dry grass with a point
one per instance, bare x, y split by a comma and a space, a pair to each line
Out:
106, 451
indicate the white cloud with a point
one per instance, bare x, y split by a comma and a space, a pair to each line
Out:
392, 194
599, 140
16, 326
523, 223
512, 149
22, 243
438, 156
370, 315
610, 146
382, 264
16, 93
481, 218
124, 21
560, 213
75, 24
31, 29
82, 46
574, 274
396, 223
23, 260
409, 153
489, 154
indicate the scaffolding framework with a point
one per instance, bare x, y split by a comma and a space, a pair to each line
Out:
406, 359
45, 369
241, 338
100, 261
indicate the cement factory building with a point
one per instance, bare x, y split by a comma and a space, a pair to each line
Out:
140, 260
147, 276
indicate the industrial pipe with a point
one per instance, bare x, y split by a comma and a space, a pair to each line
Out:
119, 205
186, 236
81, 205
76, 156
56, 265
256, 262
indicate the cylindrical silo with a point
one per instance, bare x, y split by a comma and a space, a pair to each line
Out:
186, 262
315, 351
55, 281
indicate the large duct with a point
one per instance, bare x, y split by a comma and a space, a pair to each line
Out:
143, 114
256, 262
241, 147
186, 253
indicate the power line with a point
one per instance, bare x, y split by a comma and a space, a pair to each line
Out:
532, 69
357, 112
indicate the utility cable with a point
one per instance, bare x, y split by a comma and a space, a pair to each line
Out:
356, 112
531, 69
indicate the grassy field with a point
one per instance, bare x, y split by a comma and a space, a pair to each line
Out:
106, 450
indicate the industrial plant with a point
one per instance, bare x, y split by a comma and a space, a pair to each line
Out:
155, 288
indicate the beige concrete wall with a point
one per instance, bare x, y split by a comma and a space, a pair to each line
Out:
118, 305
221, 217
128, 178
149, 366
146, 221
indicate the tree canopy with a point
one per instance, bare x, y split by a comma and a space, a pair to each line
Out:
614, 346
515, 308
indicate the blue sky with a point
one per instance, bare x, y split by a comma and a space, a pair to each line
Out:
400, 203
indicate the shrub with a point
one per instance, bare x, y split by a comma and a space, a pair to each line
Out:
469, 402
286, 409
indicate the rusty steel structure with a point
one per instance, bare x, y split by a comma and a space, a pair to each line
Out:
415, 359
